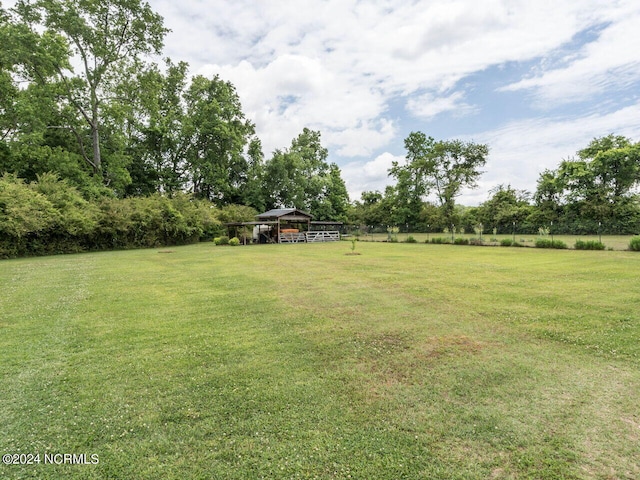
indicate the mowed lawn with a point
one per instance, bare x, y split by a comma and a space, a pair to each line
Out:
299, 361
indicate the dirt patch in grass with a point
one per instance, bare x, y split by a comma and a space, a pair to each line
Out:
394, 359
450, 345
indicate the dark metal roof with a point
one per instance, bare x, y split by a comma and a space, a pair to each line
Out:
288, 213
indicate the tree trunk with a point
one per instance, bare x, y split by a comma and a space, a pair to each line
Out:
95, 139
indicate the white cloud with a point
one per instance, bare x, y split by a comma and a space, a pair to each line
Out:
336, 65
610, 62
521, 150
429, 105
361, 176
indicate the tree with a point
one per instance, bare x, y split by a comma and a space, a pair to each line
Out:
105, 38
505, 207
596, 188
407, 193
300, 177
253, 192
441, 167
156, 130
218, 135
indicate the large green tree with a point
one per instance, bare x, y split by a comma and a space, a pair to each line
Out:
442, 168
301, 177
505, 209
219, 136
91, 47
598, 187
155, 128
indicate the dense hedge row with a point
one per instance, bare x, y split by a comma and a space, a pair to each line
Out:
50, 216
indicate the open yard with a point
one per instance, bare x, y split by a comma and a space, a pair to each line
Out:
299, 361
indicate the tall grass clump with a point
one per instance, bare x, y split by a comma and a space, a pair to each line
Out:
634, 245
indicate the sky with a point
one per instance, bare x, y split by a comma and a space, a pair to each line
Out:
534, 80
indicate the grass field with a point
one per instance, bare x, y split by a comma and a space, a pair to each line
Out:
299, 361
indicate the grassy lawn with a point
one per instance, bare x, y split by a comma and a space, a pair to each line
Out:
298, 361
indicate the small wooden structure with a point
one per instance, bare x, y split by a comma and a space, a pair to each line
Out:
290, 225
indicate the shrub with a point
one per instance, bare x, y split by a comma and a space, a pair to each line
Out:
440, 240
506, 242
461, 241
546, 243
224, 240
635, 244
410, 239
543, 243
234, 242
588, 245
23, 210
476, 241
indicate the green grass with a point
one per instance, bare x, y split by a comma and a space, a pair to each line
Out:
300, 361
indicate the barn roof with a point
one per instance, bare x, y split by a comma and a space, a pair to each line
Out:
285, 214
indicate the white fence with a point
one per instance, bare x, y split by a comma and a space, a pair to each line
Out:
333, 236
310, 237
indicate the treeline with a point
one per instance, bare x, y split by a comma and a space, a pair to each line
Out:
596, 191
79, 99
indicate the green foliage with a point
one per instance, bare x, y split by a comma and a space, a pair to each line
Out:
411, 239
23, 210
595, 191
237, 213
442, 167
217, 134
223, 240
50, 216
392, 234
634, 244
506, 242
548, 243
461, 241
300, 177
234, 242
589, 245
76, 216
440, 240
506, 206
108, 37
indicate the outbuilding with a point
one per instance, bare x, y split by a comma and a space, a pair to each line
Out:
289, 225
